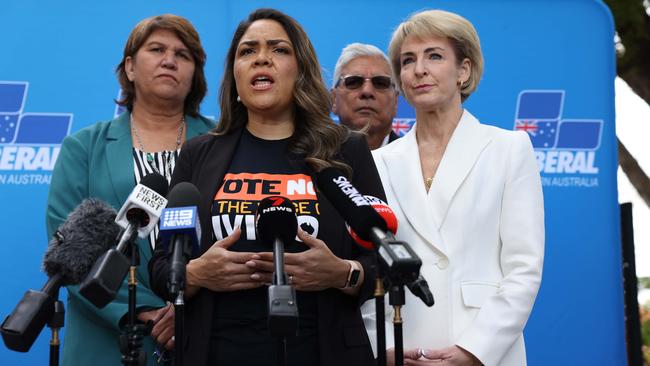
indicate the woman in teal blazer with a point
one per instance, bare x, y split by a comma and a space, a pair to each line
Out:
163, 83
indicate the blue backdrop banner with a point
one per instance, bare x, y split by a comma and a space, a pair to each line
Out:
549, 71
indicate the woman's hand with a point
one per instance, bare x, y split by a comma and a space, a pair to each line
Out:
411, 354
163, 325
220, 269
450, 356
312, 270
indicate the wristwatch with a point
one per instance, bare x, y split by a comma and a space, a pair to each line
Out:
353, 275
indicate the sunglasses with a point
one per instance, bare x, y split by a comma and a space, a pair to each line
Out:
352, 82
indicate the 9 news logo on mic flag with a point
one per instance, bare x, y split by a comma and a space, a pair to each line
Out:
180, 221
176, 218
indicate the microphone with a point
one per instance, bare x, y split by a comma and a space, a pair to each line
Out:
139, 214
401, 263
180, 227
350, 204
419, 287
385, 212
275, 219
143, 207
87, 232
276, 222
396, 258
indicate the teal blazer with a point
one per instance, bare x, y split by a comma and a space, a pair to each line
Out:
97, 161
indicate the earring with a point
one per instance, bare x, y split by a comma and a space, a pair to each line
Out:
460, 82
238, 99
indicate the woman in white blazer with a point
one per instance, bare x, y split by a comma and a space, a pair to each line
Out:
468, 199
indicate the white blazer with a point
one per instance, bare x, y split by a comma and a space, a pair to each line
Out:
480, 234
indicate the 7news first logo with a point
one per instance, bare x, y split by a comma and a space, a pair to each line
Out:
562, 145
29, 142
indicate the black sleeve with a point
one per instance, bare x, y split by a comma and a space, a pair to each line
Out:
366, 179
159, 263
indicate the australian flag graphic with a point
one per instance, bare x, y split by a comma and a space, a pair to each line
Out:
539, 113
401, 126
405, 119
17, 127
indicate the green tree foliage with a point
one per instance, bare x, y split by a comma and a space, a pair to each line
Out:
644, 282
633, 28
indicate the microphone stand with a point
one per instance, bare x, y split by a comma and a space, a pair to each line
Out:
179, 325
177, 286
131, 339
401, 266
36, 309
397, 300
283, 309
380, 317
55, 323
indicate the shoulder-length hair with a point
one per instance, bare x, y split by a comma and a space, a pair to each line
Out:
185, 31
316, 136
440, 23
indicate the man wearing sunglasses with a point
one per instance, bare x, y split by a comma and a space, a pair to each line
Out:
364, 96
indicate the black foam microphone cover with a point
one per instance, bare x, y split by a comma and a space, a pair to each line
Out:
183, 194
276, 219
349, 202
88, 232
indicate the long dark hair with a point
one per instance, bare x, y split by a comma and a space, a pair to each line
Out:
316, 136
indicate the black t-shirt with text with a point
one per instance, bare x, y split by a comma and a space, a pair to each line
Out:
240, 336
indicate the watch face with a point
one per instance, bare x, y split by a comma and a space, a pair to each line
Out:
354, 278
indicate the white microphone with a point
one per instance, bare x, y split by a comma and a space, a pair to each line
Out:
144, 205
139, 215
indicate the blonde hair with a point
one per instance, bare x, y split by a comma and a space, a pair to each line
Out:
440, 23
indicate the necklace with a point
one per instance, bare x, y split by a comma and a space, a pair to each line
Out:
179, 140
428, 182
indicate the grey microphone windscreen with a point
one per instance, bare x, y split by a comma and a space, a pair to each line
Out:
89, 231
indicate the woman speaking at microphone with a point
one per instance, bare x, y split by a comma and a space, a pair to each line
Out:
162, 79
274, 134
468, 199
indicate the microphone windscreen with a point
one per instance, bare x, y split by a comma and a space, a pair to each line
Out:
156, 182
183, 194
89, 231
349, 202
385, 212
276, 218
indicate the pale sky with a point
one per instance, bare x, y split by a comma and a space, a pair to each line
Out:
633, 129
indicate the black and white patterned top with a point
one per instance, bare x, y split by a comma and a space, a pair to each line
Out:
161, 162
